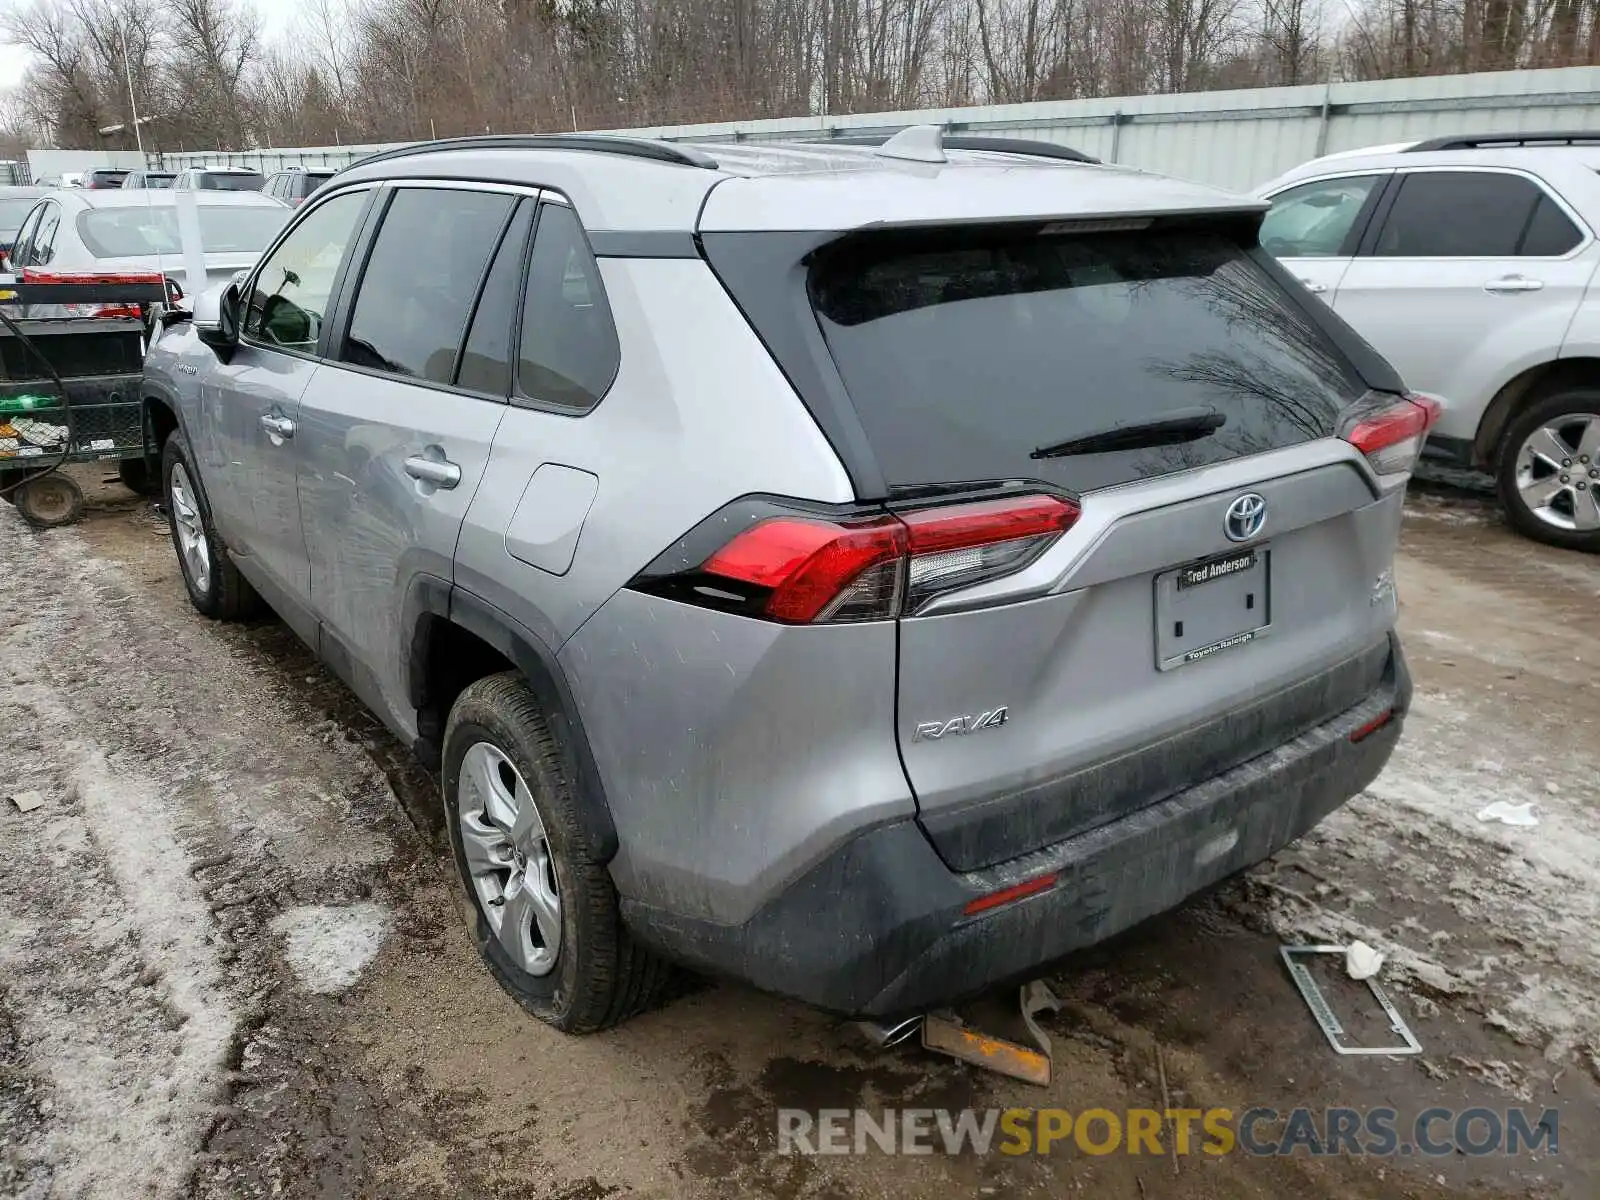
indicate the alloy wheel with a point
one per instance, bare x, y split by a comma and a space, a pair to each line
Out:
192, 545
1558, 472
508, 859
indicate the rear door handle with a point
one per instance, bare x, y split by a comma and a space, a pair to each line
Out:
1314, 287
439, 472
277, 426
1513, 283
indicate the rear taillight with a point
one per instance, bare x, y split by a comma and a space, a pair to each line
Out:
817, 570
803, 569
101, 310
972, 543
1390, 433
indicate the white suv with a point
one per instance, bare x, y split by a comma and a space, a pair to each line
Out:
1469, 263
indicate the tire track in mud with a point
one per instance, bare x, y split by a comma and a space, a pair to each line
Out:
185, 813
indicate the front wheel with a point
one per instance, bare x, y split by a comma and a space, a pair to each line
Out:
215, 587
541, 906
1548, 471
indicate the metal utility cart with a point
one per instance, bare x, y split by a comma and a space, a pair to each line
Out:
70, 386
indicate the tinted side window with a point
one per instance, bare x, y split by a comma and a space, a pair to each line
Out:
1550, 233
1313, 220
486, 359
569, 352
291, 291
421, 279
1458, 214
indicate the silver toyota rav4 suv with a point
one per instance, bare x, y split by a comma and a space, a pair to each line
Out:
868, 571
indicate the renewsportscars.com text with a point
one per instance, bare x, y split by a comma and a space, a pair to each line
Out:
1260, 1131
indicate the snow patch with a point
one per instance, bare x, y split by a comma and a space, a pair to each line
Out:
327, 946
111, 966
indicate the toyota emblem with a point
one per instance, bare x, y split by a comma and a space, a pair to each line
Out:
1245, 517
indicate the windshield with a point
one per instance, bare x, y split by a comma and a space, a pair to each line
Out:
138, 230
232, 181
965, 352
12, 213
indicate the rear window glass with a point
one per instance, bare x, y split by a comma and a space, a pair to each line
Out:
13, 213
966, 354
134, 230
231, 181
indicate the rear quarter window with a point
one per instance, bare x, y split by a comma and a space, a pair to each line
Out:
966, 353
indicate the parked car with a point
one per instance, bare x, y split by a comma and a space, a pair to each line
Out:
15, 204
218, 179
1469, 262
149, 179
293, 185
870, 572
85, 230
104, 177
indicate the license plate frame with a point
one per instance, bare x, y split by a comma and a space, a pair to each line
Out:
1213, 604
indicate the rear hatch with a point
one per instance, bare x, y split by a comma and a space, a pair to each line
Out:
1221, 583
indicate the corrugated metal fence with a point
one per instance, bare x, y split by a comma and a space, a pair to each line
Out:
1233, 139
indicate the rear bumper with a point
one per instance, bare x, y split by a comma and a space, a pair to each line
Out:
877, 928
1450, 451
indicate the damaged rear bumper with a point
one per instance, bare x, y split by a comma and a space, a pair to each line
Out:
879, 927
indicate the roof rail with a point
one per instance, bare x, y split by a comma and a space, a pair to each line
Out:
995, 145
593, 143
1487, 141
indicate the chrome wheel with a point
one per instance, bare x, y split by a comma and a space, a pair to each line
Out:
193, 548
508, 859
1558, 472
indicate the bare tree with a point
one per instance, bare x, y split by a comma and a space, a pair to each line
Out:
1291, 40
215, 42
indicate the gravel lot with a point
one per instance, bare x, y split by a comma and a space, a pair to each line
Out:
231, 962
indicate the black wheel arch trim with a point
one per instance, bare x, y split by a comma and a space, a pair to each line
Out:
158, 393
430, 596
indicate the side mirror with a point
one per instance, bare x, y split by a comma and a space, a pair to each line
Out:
216, 320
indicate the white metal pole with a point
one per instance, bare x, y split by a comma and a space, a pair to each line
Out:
127, 67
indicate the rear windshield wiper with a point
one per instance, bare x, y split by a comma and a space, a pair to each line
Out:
1178, 426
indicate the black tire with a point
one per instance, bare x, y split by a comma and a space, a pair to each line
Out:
1548, 411
601, 975
49, 500
140, 476
224, 595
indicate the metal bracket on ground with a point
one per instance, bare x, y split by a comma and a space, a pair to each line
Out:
946, 1033
1320, 1009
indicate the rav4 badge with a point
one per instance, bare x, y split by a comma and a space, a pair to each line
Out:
932, 731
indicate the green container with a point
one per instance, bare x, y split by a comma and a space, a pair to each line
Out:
27, 402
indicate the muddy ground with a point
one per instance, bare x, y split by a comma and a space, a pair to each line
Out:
232, 965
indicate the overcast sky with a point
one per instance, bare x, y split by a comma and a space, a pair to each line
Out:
276, 16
